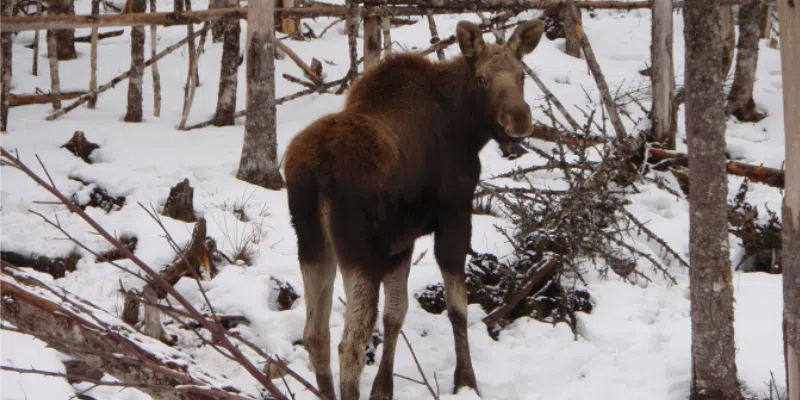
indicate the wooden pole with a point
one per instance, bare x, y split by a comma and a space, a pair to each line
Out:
789, 25
665, 108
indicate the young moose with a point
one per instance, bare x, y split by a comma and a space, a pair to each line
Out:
400, 161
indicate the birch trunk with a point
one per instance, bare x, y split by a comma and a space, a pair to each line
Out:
711, 290
386, 27
154, 68
740, 99
259, 161
6, 42
665, 108
93, 57
372, 41
52, 60
228, 77
789, 25
134, 113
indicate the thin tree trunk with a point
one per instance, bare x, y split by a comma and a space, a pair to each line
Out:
434, 35
789, 24
64, 37
35, 66
288, 25
180, 6
135, 113
665, 108
372, 41
571, 42
259, 161
6, 42
765, 25
154, 68
728, 38
740, 99
386, 27
228, 77
218, 30
52, 58
713, 348
193, 67
93, 57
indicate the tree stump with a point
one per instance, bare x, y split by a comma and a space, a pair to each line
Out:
80, 146
180, 203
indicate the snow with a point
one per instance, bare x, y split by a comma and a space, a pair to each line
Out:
635, 344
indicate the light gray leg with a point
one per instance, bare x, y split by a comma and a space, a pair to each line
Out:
362, 311
318, 279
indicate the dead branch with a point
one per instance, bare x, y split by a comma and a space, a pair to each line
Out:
100, 36
86, 97
759, 174
310, 73
75, 327
597, 73
352, 33
25, 99
419, 367
552, 98
216, 330
539, 274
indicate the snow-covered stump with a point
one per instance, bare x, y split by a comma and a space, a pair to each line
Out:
789, 14
665, 108
80, 146
259, 161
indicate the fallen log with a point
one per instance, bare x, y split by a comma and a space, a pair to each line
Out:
16, 100
78, 328
100, 36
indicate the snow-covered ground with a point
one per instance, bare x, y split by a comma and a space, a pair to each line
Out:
634, 345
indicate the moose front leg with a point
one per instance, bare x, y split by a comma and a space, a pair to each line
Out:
452, 243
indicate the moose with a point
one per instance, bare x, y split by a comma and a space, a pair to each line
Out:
399, 162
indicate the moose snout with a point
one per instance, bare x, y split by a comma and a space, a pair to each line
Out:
516, 120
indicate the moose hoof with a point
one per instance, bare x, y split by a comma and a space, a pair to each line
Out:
465, 378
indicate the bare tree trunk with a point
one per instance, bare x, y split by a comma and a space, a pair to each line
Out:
728, 37
64, 37
134, 113
740, 98
52, 58
765, 25
6, 42
789, 24
93, 57
259, 161
434, 35
372, 41
288, 25
180, 6
218, 30
572, 43
665, 108
386, 26
154, 68
713, 348
35, 66
228, 76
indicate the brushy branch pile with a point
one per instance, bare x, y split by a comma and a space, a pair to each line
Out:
583, 224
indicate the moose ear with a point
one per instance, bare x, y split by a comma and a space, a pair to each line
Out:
470, 39
526, 37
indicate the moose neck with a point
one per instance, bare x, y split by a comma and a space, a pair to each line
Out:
460, 94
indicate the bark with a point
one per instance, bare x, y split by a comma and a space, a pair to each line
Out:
228, 77
288, 25
434, 35
83, 331
154, 71
571, 42
597, 73
135, 113
16, 100
728, 38
93, 57
180, 202
64, 37
789, 23
6, 42
35, 66
765, 25
711, 291
259, 161
386, 27
665, 108
119, 78
740, 99
218, 30
372, 41
52, 58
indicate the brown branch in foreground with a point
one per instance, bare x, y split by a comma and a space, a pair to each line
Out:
597, 73
542, 271
70, 325
216, 330
83, 99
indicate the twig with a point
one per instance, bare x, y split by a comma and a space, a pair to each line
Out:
419, 367
541, 271
300, 63
551, 97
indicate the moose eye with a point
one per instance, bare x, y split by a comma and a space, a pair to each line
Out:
481, 81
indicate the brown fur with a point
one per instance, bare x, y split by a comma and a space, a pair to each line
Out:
400, 161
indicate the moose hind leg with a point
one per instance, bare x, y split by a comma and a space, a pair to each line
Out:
318, 279
395, 289
361, 290
452, 242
